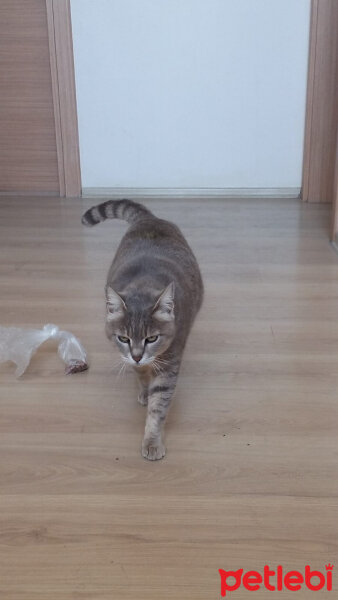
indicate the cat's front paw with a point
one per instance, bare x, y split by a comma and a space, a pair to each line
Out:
153, 450
143, 398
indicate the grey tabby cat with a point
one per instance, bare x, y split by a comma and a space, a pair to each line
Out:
153, 292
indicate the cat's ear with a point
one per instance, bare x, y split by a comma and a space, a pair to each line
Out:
164, 307
115, 305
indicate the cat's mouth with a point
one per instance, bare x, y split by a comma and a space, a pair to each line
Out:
143, 362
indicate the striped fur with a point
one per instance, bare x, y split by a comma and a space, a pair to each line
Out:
127, 210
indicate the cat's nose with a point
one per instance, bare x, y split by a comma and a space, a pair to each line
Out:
137, 357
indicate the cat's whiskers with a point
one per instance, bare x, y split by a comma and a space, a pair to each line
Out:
122, 370
159, 365
155, 367
115, 367
121, 365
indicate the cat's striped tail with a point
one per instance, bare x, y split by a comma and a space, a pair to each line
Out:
127, 210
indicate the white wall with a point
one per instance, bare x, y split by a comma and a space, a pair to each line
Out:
191, 93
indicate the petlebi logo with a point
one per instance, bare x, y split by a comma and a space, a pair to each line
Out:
276, 580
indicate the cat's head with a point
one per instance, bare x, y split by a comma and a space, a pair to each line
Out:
141, 324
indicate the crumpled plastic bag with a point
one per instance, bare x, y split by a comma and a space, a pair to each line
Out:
19, 345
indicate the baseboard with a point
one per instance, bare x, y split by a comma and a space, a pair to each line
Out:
29, 194
119, 192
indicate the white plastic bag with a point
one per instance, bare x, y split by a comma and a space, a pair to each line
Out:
19, 345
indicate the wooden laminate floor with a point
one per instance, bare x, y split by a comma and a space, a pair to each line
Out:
251, 472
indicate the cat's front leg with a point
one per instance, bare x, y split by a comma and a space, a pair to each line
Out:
160, 393
142, 397
144, 377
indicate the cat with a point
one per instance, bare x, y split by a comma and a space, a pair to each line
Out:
154, 290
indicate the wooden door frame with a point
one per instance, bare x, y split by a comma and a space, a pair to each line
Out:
64, 96
334, 229
321, 122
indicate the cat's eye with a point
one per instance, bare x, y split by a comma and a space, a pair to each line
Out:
123, 339
152, 339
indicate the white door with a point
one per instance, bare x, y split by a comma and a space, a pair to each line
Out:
191, 93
